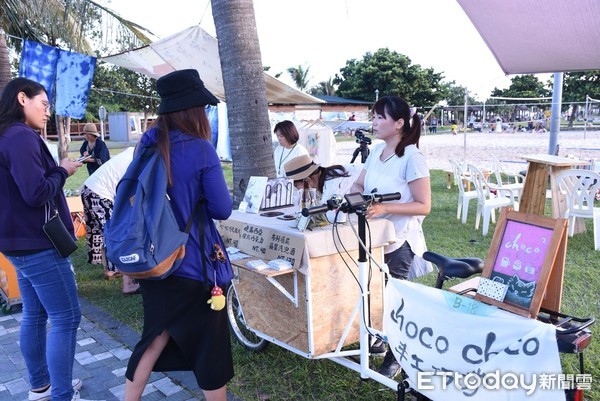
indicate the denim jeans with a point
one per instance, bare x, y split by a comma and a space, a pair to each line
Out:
48, 290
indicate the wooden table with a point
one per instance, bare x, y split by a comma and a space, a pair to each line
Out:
533, 199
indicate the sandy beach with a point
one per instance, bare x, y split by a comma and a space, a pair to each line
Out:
507, 147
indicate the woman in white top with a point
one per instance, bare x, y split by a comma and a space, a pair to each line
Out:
97, 196
288, 147
397, 165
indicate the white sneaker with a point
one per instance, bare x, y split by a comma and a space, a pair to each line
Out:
45, 396
76, 397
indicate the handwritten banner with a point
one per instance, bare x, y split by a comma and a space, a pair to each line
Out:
451, 350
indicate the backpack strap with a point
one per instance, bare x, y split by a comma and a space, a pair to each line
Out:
198, 211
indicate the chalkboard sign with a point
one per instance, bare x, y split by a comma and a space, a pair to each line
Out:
521, 257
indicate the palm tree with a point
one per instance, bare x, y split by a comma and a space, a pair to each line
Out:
70, 23
323, 88
244, 83
300, 76
4, 61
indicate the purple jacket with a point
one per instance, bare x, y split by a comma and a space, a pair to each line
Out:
196, 171
29, 178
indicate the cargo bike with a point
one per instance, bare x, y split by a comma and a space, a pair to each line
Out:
303, 314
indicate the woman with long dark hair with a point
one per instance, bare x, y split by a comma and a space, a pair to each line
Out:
181, 330
397, 165
31, 189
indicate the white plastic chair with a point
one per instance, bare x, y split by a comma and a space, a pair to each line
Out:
464, 196
514, 181
580, 188
488, 202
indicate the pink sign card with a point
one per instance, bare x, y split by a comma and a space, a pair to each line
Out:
522, 250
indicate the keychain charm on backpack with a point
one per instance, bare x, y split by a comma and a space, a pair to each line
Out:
217, 299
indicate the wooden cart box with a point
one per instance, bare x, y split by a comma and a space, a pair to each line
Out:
327, 301
327, 313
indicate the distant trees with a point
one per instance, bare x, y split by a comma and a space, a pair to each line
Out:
119, 89
392, 74
326, 88
521, 86
578, 85
455, 94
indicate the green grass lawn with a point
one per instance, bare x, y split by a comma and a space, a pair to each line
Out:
277, 374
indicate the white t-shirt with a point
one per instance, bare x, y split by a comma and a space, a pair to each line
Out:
394, 175
104, 180
282, 155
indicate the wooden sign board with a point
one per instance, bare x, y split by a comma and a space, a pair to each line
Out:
264, 243
525, 250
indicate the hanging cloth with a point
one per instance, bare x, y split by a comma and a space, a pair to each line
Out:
74, 76
38, 63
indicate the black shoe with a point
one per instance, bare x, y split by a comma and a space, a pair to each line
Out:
390, 367
378, 348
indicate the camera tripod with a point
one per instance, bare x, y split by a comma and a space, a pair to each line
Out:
363, 150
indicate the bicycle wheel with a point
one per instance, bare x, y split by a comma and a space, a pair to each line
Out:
237, 322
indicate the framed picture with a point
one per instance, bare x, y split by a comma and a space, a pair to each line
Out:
519, 265
253, 195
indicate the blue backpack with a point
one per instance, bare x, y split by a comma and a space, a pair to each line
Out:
142, 236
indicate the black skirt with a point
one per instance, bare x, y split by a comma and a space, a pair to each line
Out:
199, 336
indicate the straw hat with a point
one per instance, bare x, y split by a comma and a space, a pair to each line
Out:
300, 167
90, 128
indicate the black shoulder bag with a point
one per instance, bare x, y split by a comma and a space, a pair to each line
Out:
57, 233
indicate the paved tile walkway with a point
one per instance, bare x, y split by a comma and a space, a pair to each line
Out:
103, 349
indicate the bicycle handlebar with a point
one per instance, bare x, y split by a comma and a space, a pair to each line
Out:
378, 198
309, 211
336, 202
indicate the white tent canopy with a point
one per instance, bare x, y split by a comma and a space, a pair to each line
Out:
533, 36
194, 48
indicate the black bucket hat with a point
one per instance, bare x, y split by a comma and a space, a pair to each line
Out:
181, 90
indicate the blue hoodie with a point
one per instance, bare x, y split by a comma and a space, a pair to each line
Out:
29, 178
196, 171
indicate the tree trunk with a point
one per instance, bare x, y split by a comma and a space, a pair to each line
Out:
63, 129
573, 115
246, 97
5, 76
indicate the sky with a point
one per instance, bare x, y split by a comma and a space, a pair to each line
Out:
323, 34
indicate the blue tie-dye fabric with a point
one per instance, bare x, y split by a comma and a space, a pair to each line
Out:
74, 74
212, 113
38, 63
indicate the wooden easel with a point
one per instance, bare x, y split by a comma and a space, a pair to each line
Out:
553, 295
